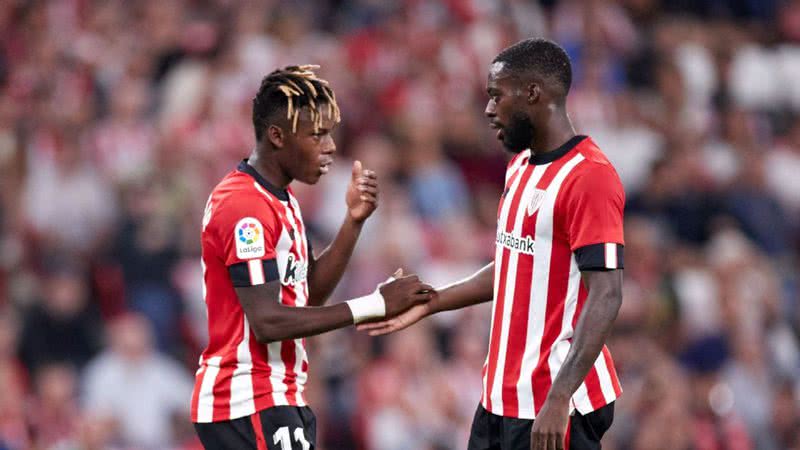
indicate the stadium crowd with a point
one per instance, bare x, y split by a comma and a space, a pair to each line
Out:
117, 118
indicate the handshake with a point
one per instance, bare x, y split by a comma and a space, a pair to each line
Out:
396, 303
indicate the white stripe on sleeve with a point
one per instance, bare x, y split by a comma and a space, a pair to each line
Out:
256, 269
611, 256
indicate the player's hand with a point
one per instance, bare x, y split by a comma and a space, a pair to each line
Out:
404, 292
550, 427
362, 193
397, 323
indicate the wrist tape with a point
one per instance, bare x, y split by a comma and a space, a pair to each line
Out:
368, 307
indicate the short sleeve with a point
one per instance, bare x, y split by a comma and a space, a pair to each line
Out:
595, 206
248, 229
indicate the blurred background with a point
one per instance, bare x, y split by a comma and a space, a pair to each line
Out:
117, 118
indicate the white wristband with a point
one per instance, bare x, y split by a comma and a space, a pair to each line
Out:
370, 306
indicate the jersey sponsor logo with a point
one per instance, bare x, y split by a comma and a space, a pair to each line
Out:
249, 236
516, 243
536, 200
296, 271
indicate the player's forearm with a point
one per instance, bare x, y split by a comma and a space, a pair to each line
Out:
594, 325
329, 266
478, 288
292, 323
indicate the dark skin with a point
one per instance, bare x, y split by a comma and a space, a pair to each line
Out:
280, 157
543, 102
594, 324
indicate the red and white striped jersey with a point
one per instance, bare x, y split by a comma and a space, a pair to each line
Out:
560, 213
252, 233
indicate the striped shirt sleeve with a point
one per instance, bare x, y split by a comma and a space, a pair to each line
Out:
595, 218
247, 230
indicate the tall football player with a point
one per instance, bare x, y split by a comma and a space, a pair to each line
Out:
549, 381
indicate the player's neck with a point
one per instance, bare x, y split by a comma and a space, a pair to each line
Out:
557, 131
269, 169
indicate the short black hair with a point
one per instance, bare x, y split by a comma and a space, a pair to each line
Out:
287, 91
540, 56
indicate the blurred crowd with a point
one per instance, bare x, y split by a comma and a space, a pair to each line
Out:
118, 117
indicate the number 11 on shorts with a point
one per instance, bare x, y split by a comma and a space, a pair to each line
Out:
283, 437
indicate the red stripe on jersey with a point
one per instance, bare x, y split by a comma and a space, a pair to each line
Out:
223, 385
222, 388
494, 345
593, 388
261, 443
262, 392
289, 359
612, 371
592, 381
560, 258
196, 393
582, 295
518, 326
518, 329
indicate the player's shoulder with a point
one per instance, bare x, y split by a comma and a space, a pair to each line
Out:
237, 196
594, 162
594, 171
593, 157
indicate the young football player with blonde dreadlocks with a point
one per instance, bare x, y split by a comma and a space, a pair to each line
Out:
264, 288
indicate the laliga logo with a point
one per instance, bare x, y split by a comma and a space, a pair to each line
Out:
248, 233
249, 238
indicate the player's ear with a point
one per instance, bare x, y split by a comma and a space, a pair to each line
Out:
534, 92
276, 135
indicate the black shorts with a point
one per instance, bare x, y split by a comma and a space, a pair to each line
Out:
276, 428
492, 432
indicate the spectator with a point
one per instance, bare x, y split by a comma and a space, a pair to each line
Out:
116, 118
62, 327
138, 391
54, 414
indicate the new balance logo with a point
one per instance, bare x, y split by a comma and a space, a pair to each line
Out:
296, 272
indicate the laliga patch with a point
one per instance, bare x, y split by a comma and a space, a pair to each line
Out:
249, 237
536, 200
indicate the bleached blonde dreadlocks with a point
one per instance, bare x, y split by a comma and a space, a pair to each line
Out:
293, 87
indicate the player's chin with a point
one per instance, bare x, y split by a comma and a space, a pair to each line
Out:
312, 177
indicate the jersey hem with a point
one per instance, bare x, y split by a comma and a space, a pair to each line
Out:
572, 408
303, 404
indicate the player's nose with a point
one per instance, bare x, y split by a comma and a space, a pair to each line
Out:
490, 110
329, 147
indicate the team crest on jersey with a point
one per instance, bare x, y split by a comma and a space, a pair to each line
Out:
249, 237
536, 200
